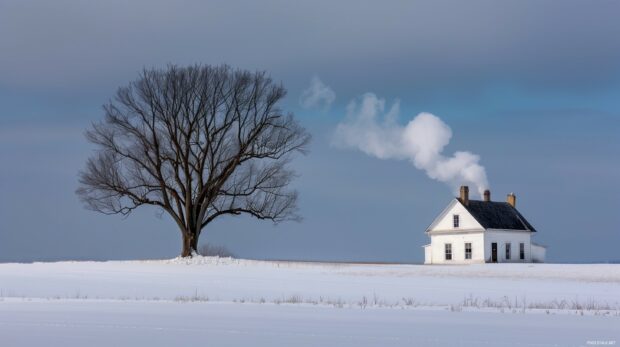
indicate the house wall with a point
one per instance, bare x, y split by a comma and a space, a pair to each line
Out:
506, 236
466, 221
538, 253
435, 252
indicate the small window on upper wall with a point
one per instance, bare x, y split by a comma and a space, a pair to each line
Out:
455, 220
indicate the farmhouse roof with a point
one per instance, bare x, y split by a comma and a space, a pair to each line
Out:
497, 215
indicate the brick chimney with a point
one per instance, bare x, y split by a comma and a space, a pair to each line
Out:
487, 195
464, 195
512, 200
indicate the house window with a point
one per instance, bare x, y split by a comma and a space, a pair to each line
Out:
522, 251
468, 250
507, 251
448, 251
455, 220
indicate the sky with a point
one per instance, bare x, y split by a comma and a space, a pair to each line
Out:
531, 89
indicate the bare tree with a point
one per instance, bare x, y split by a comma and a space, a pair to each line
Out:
197, 142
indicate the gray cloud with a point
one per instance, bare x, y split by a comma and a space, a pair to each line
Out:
568, 44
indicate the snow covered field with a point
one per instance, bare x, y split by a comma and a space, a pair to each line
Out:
226, 302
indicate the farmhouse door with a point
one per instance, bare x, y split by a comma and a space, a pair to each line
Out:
494, 252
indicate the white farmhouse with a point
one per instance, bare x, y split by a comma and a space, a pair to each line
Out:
474, 231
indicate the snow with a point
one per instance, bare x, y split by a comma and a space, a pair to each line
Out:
138, 323
223, 301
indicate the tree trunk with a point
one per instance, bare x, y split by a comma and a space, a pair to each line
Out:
190, 244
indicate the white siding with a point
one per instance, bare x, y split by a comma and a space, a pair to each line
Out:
502, 237
538, 253
458, 240
428, 255
445, 221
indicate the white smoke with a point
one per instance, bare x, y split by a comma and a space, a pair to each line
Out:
376, 132
317, 94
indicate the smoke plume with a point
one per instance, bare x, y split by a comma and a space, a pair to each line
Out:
372, 130
317, 94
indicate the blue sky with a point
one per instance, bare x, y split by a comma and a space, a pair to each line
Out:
530, 86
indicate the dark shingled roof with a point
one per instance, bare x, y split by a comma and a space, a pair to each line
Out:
497, 215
